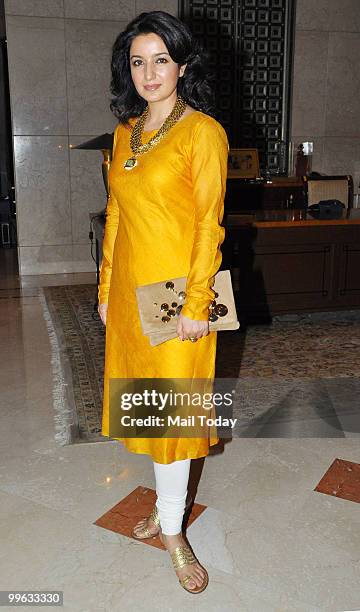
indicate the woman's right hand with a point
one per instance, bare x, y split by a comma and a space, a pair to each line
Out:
102, 310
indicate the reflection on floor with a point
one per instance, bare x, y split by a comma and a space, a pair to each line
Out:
269, 540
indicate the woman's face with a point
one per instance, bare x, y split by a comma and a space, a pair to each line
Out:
153, 72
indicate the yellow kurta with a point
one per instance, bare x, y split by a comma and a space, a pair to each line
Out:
163, 221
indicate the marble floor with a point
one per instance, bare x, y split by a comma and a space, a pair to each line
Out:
270, 542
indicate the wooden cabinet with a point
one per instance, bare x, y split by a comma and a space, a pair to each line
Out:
294, 266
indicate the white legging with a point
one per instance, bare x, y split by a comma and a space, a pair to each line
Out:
171, 488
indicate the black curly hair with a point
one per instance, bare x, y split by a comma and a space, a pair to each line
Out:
195, 84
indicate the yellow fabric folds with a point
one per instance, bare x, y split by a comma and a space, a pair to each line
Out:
163, 221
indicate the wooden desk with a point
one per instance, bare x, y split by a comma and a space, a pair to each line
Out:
287, 261
258, 194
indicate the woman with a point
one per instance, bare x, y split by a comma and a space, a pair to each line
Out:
163, 221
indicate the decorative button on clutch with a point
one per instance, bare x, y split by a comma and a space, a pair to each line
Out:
221, 310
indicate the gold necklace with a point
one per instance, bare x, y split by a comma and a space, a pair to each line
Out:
135, 141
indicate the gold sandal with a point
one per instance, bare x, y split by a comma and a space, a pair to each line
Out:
181, 556
154, 516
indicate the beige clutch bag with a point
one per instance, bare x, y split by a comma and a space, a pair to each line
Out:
160, 304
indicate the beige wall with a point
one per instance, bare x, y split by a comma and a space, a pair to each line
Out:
59, 67
326, 87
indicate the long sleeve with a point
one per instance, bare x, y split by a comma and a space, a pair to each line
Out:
209, 171
111, 227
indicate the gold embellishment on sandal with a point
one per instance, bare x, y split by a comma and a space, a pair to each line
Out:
146, 533
181, 556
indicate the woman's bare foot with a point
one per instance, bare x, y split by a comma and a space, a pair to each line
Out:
145, 523
194, 570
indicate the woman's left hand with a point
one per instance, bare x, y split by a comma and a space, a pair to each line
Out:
188, 328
